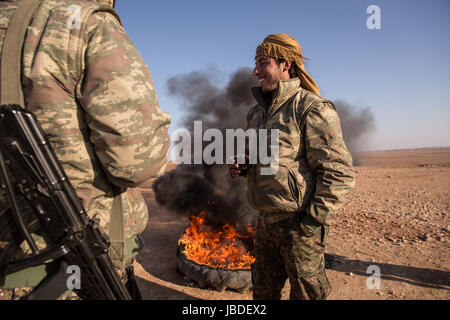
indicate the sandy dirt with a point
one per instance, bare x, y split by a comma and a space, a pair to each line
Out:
396, 219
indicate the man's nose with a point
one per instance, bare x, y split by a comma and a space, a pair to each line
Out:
255, 71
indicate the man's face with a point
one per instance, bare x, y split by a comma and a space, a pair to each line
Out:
269, 73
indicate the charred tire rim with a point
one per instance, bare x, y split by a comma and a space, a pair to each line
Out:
206, 276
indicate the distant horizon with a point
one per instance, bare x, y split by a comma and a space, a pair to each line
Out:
399, 68
384, 150
406, 149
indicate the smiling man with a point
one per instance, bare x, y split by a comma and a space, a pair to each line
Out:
270, 71
297, 204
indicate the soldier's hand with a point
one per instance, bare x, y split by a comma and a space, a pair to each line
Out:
236, 169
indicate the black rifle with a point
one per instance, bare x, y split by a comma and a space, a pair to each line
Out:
31, 170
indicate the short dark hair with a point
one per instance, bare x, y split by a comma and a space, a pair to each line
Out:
292, 70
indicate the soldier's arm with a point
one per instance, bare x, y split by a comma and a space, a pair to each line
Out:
127, 127
331, 162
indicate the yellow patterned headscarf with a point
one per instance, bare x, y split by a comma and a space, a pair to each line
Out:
283, 46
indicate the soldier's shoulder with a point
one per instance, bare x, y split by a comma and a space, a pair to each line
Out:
309, 98
70, 7
75, 9
68, 3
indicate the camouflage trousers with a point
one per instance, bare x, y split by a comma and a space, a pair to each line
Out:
283, 251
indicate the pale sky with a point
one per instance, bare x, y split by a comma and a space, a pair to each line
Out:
400, 71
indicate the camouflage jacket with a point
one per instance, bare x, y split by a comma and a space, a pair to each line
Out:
315, 169
93, 95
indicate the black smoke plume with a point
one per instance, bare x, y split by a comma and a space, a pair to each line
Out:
357, 126
190, 189
221, 108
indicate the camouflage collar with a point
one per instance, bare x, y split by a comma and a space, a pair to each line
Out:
286, 89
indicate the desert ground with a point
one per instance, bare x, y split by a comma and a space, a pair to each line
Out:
396, 219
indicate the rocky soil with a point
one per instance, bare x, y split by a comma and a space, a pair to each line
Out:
396, 222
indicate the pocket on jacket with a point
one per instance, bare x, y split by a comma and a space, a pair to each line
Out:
272, 193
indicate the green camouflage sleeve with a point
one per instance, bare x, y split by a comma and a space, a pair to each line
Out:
127, 127
331, 162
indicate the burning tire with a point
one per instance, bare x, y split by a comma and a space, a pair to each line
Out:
218, 278
216, 257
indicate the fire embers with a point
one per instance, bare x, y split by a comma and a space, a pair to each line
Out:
216, 258
225, 216
217, 249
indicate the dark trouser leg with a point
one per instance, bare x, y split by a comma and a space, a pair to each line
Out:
305, 263
268, 272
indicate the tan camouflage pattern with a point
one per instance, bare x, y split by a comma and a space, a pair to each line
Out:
315, 171
95, 99
283, 252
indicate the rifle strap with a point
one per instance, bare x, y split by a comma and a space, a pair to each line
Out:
10, 69
116, 233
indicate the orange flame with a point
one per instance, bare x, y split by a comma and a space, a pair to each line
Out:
217, 249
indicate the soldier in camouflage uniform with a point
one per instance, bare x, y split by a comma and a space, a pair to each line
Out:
94, 97
297, 203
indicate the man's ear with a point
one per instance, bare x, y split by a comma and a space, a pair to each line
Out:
286, 65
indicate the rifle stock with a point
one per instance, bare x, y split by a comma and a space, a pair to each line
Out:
31, 170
